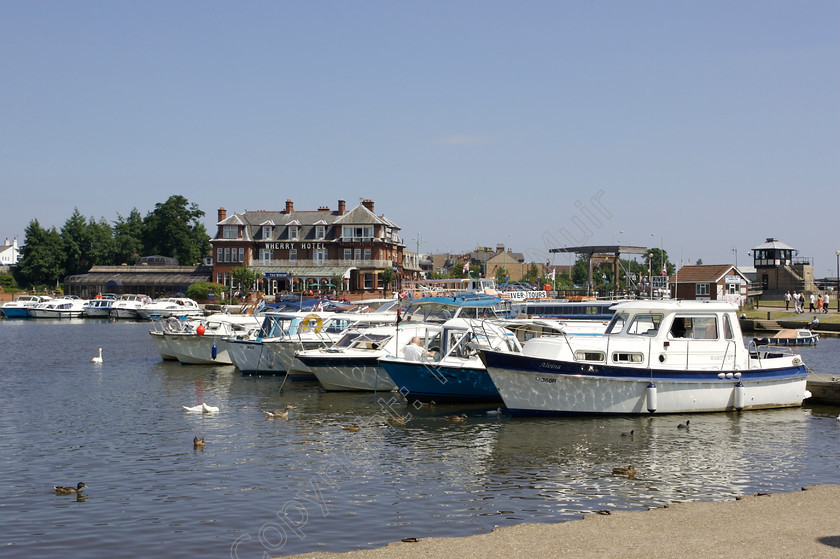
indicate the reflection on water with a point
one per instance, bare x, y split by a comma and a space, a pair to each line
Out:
274, 486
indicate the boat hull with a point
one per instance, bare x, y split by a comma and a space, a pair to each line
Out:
15, 312
251, 358
195, 349
538, 385
56, 313
162, 345
349, 373
430, 381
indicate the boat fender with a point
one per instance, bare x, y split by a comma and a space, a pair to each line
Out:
214, 351
200, 330
651, 397
740, 396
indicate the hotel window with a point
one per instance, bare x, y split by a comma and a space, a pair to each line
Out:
357, 254
357, 232
266, 232
227, 255
292, 254
320, 255
293, 232
368, 281
702, 289
348, 254
265, 255
320, 231
230, 232
367, 254
219, 254
219, 276
241, 255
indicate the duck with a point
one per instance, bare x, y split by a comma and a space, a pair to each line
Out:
97, 359
69, 490
198, 443
628, 471
461, 417
684, 425
352, 428
629, 433
497, 411
400, 419
277, 414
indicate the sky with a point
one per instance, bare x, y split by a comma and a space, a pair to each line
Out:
699, 127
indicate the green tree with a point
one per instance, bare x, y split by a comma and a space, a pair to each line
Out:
245, 277
387, 277
40, 257
173, 229
86, 244
128, 238
7, 282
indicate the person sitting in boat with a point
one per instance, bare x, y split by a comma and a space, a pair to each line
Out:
814, 323
415, 351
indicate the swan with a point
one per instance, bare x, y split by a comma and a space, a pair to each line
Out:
97, 359
195, 409
69, 490
497, 411
209, 409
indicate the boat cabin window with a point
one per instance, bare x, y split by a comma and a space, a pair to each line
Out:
727, 328
624, 357
582, 355
694, 327
645, 324
617, 322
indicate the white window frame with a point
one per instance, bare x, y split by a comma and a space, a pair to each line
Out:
320, 232
292, 254
294, 231
348, 254
230, 231
702, 289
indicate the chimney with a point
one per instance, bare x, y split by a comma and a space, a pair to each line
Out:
368, 204
323, 208
15, 243
341, 207
222, 214
290, 207
5, 244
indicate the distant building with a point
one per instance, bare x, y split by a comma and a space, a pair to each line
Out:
712, 282
778, 269
155, 276
9, 253
305, 250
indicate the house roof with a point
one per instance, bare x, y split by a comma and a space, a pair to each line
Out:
704, 273
772, 243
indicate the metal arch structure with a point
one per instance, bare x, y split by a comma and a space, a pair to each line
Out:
602, 253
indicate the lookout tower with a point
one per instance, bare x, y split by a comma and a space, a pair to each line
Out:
779, 269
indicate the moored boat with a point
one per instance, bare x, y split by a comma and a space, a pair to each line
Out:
181, 307
127, 304
61, 307
98, 308
202, 341
655, 357
790, 336
19, 308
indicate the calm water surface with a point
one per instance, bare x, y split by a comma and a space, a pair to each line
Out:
281, 487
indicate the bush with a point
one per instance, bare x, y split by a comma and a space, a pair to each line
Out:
200, 291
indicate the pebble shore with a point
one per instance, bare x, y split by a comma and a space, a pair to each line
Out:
799, 524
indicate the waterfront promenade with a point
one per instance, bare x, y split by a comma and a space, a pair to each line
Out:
799, 524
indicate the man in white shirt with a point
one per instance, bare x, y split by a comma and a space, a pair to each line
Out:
415, 351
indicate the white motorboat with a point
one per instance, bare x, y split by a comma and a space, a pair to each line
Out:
201, 341
19, 308
179, 307
61, 307
352, 363
98, 308
655, 357
127, 304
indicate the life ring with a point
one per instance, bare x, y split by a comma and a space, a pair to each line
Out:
306, 324
173, 324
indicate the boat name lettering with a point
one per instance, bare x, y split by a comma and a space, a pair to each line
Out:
547, 379
550, 365
293, 246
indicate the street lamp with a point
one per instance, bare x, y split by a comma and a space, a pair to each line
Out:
837, 291
650, 272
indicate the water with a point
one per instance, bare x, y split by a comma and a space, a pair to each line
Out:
282, 487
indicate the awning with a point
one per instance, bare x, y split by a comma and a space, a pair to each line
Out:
277, 272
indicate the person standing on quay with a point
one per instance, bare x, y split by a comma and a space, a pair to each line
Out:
819, 304
787, 301
796, 302
811, 306
825, 302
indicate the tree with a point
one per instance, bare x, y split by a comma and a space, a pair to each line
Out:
245, 277
173, 229
387, 277
40, 256
128, 238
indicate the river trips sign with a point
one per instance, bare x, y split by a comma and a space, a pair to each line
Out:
523, 295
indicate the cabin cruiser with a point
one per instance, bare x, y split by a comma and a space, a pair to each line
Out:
127, 304
655, 357
201, 341
19, 308
179, 307
68, 306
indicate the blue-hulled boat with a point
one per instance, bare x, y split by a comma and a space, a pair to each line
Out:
19, 308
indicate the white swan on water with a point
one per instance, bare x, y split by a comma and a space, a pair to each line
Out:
98, 359
201, 408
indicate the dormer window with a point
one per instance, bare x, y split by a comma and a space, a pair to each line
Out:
230, 232
266, 232
320, 231
293, 232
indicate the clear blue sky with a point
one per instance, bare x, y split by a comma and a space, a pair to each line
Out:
710, 125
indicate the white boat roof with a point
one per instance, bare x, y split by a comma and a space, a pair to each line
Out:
671, 305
